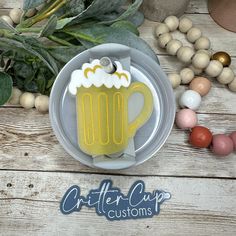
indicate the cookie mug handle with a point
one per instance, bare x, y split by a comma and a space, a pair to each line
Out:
147, 109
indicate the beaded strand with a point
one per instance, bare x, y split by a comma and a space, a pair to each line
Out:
198, 59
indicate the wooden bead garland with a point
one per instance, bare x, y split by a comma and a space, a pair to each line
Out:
201, 60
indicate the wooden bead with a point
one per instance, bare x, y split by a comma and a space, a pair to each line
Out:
161, 29
175, 80
173, 46
214, 68
164, 39
185, 54
186, 75
208, 52
226, 76
16, 14
186, 119
190, 99
201, 85
172, 22
7, 19
202, 43
200, 60
223, 57
232, 85
195, 70
185, 24
193, 34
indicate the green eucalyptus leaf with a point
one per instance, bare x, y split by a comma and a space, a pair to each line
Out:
23, 70
4, 25
50, 83
137, 19
5, 87
49, 28
29, 4
41, 83
71, 8
98, 34
131, 10
31, 87
96, 8
65, 53
124, 24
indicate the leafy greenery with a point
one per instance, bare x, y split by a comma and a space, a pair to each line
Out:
6, 87
32, 54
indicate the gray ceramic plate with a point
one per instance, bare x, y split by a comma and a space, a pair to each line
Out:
150, 137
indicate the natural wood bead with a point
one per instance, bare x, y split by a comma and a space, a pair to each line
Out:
186, 75
193, 34
172, 22
7, 19
161, 29
174, 79
201, 85
214, 68
200, 60
16, 15
208, 52
164, 39
202, 43
226, 76
173, 46
185, 24
185, 54
232, 85
195, 70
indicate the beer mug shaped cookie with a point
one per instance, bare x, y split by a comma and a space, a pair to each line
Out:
102, 107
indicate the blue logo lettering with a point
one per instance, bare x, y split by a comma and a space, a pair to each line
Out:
110, 202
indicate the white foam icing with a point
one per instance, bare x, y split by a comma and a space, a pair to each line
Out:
93, 74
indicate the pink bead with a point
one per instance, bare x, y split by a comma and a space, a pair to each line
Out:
233, 137
186, 119
222, 145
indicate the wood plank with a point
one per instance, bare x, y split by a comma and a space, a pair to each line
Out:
197, 207
11, 4
28, 143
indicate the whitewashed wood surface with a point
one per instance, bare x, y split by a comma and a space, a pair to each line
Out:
35, 171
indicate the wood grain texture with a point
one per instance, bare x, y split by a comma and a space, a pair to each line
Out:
197, 207
27, 142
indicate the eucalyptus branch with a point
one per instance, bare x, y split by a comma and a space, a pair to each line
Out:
60, 41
